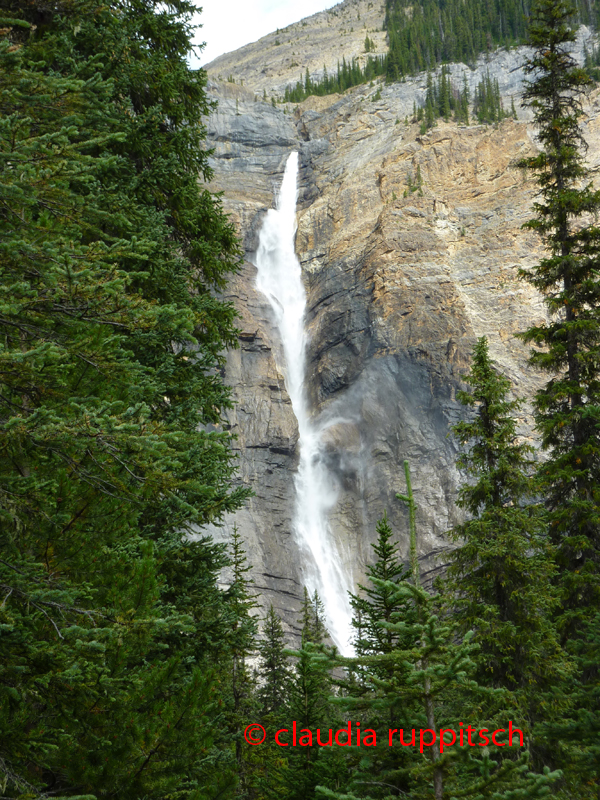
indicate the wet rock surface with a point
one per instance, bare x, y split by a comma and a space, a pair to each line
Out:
401, 279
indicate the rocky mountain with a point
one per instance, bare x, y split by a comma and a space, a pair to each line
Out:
411, 247
316, 43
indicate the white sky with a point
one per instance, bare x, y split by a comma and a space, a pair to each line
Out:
230, 24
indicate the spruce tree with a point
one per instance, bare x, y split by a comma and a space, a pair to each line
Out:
243, 704
310, 708
372, 604
577, 734
312, 618
568, 345
500, 574
434, 677
274, 671
366, 690
112, 256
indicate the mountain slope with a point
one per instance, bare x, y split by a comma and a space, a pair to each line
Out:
281, 58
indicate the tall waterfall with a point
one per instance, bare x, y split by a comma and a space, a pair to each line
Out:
280, 280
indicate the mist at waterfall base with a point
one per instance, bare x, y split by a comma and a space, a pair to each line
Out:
279, 278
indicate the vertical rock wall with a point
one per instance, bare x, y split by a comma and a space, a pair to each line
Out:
401, 280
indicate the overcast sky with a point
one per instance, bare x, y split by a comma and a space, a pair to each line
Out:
230, 24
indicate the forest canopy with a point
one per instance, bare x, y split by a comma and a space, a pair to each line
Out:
112, 333
422, 36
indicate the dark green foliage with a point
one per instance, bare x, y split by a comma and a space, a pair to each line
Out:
487, 103
422, 36
414, 182
241, 697
591, 62
311, 709
274, 671
500, 574
312, 619
444, 100
348, 74
426, 34
579, 731
374, 603
111, 339
124, 670
310, 706
366, 692
567, 409
435, 679
568, 345
428, 675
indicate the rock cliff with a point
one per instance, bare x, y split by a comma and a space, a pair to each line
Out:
402, 276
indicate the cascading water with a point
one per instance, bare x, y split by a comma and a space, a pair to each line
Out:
280, 280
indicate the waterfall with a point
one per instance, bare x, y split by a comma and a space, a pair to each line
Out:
279, 278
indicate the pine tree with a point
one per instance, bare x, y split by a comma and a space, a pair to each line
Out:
500, 574
433, 675
112, 256
568, 407
274, 671
243, 630
376, 605
373, 604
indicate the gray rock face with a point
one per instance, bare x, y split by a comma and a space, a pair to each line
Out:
267, 434
400, 283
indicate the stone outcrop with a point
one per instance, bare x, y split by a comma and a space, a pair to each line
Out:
411, 247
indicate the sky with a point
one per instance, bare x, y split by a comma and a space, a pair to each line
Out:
230, 24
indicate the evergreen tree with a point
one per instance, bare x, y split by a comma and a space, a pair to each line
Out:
442, 98
267, 764
316, 759
461, 113
365, 691
488, 103
500, 575
430, 102
444, 31
347, 75
433, 675
444, 95
568, 407
308, 710
373, 605
578, 732
243, 629
312, 618
112, 333
274, 672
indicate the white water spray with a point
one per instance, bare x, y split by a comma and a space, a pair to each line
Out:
280, 280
